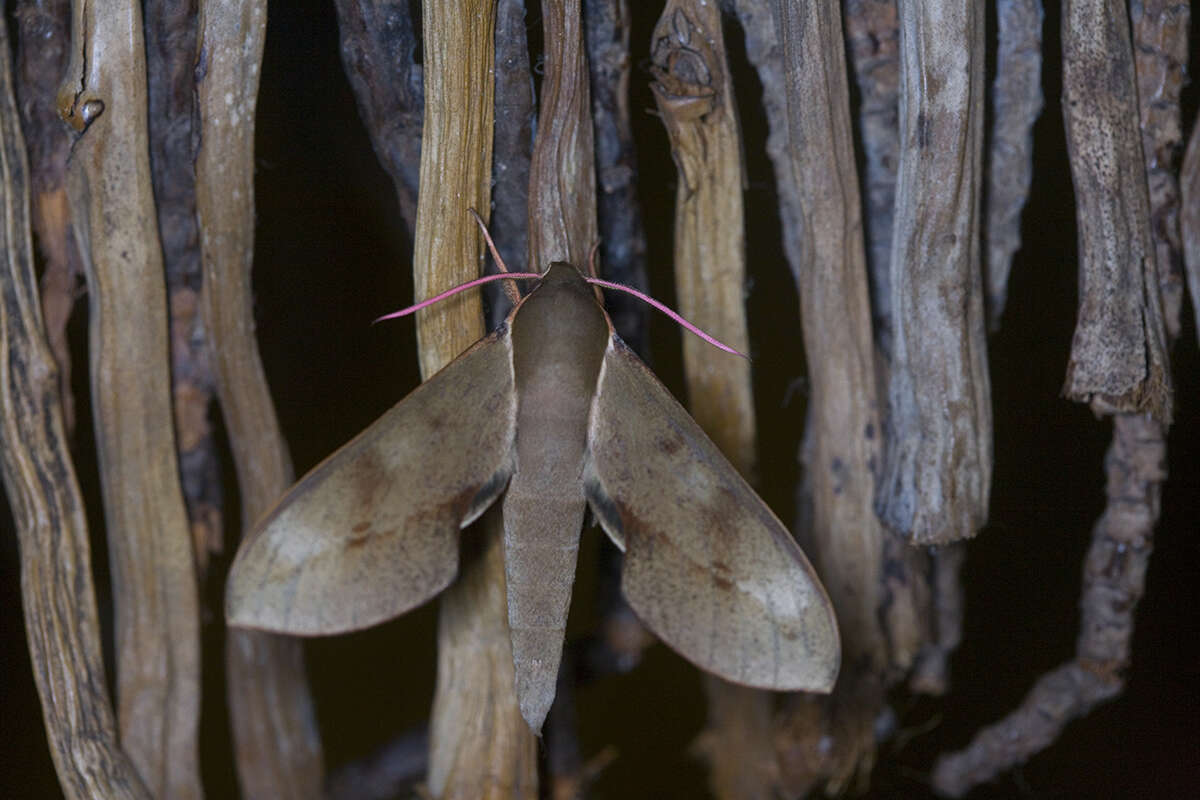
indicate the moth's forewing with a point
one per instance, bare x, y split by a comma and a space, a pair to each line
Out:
372, 531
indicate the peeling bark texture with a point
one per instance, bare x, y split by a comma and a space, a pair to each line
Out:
1118, 354
873, 41
622, 237
379, 48
1189, 220
562, 175
43, 37
59, 598
515, 122
938, 443
694, 94
1016, 105
277, 746
1113, 581
103, 97
170, 66
1160, 56
480, 746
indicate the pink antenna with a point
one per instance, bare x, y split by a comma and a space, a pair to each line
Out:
503, 276
717, 343
404, 312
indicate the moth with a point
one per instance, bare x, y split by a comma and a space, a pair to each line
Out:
556, 414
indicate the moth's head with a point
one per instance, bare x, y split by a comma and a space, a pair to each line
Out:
563, 277
562, 273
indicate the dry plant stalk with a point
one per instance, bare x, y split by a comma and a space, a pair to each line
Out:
277, 746
512, 150
43, 41
920, 592
694, 94
1113, 580
154, 580
622, 237
480, 745
1189, 219
59, 598
1118, 353
931, 671
876, 581
562, 175
1016, 105
938, 445
379, 48
1160, 52
873, 41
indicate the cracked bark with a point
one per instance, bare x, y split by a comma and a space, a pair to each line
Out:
936, 475
876, 582
1118, 353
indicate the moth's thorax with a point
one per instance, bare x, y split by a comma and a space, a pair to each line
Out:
559, 335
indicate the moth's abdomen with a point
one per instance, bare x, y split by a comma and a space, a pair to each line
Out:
541, 542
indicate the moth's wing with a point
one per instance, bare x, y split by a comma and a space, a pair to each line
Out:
708, 567
372, 531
